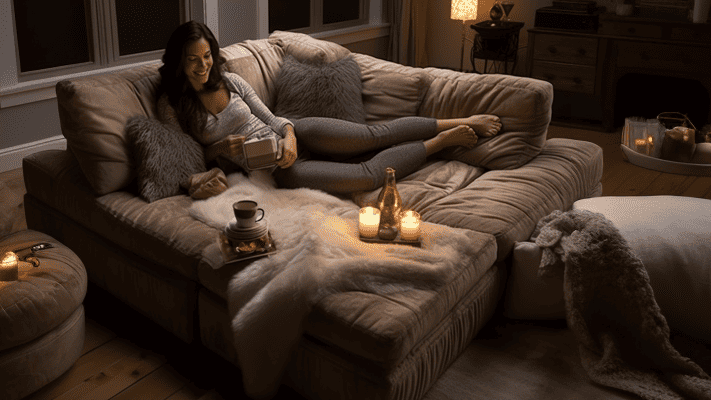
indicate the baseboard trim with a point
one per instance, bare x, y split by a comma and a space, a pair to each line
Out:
11, 158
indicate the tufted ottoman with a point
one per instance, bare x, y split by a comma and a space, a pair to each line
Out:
41, 316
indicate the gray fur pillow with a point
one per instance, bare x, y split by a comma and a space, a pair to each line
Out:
165, 158
331, 90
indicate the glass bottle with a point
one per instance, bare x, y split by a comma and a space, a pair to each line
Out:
390, 205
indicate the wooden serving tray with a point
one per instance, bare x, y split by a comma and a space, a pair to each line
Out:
397, 240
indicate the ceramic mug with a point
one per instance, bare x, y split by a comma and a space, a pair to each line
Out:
247, 213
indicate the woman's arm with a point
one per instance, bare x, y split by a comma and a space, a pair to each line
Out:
258, 108
230, 146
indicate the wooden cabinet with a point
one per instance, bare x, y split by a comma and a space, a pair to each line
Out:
585, 68
567, 61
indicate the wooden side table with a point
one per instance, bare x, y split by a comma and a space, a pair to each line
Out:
496, 41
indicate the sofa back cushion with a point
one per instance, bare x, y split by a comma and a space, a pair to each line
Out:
308, 49
93, 113
259, 63
523, 104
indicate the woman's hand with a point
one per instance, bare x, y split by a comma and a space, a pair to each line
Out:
230, 146
287, 153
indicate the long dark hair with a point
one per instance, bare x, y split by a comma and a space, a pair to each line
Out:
181, 94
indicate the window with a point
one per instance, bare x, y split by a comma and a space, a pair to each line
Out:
310, 16
68, 36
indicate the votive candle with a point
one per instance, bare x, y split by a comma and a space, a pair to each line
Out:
8, 267
410, 226
640, 145
368, 222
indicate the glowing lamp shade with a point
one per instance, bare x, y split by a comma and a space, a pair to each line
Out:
464, 10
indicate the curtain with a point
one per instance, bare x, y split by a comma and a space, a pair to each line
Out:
408, 31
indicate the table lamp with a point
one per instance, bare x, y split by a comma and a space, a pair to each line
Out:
463, 10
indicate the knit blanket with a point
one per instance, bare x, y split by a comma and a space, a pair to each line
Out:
623, 338
318, 253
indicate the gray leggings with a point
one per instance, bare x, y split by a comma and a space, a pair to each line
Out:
332, 145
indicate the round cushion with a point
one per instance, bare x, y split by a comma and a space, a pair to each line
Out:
672, 237
41, 316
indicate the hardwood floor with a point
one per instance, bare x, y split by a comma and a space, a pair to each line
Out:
126, 356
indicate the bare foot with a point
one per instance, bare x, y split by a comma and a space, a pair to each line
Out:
485, 125
461, 135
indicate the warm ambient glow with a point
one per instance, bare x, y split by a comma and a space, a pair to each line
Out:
410, 226
464, 10
8, 267
368, 222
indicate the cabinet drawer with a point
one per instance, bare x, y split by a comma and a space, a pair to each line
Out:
630, 29
663, 56
566, 77
567, 49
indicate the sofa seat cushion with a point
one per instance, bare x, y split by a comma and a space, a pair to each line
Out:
379, 328
508, 203
161, 231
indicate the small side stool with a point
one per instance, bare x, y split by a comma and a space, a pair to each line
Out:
42, 324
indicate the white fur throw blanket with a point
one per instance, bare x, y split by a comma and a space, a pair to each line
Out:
623, 338
318, 253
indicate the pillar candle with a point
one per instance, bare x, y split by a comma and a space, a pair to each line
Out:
8, 267
410, 226
368, 222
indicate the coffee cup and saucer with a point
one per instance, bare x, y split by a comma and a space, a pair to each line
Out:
249, 232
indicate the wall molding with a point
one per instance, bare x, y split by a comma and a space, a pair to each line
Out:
11, 158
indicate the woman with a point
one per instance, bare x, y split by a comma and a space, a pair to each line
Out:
220, 110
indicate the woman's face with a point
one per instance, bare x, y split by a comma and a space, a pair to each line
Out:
198, 62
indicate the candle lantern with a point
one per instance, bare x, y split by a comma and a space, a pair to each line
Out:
410, 226
368, 222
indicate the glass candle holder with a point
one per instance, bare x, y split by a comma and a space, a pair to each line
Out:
368, 222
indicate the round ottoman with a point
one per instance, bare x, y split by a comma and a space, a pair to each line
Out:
671, 235
41, 315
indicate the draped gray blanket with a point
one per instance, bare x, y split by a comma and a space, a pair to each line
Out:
623, 338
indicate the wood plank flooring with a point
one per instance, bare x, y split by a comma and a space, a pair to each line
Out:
125, 356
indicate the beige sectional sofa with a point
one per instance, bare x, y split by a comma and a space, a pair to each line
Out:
159, 260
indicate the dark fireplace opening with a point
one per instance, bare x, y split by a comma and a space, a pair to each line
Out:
641, 95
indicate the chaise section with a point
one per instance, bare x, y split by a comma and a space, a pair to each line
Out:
500, 202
